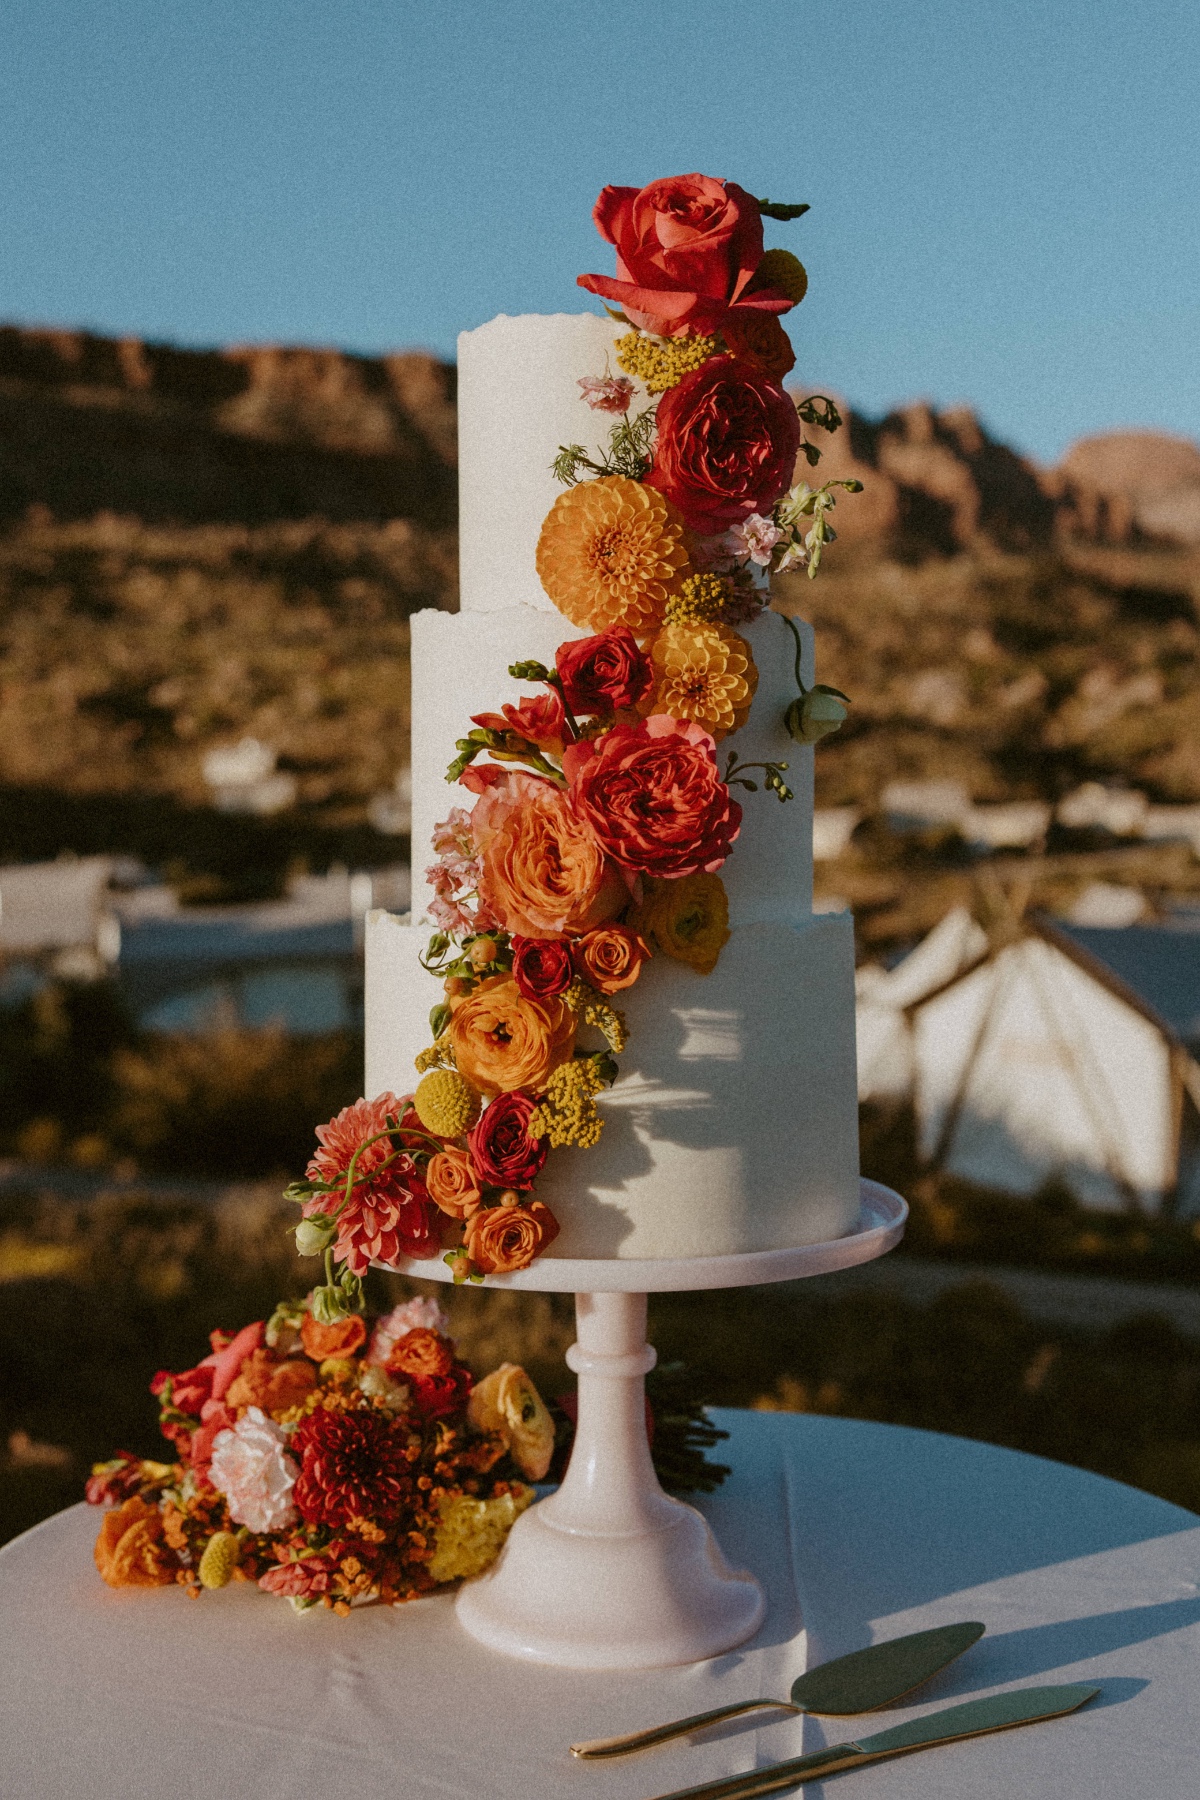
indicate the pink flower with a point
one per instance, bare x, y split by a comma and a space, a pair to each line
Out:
251, 1467
420, 1314
755, 538
389, 1215
455, 876
304, 1579
607, 393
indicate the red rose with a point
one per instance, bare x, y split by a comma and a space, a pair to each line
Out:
604, 673
541, 967
539, 719
652, 795
501, 1148
687, 250
759, 338
436, 1395
727, 442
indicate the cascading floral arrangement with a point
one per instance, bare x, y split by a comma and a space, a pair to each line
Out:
327, 1463
602, 815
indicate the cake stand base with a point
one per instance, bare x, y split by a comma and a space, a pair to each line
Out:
609, 1572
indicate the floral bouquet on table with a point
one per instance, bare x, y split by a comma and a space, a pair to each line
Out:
601, 814
327, 1464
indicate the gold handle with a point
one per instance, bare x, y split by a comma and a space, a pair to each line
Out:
661, 1734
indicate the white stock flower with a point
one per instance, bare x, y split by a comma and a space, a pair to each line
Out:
251, 1467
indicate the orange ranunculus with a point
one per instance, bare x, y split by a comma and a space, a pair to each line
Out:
130, 1551
266, 1382
610, 957
543, 873
342, 1339
502, 1041
421, 1352
503, 1238
453, 1183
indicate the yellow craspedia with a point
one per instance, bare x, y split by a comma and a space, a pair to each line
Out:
219, 1560
446, 1104
471, 1533
780, 269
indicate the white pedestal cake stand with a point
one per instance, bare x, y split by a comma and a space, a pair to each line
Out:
609, 1572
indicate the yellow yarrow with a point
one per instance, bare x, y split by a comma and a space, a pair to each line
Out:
662, 363
446, 1105
567, 1113
438, 1056
470, 1533
700, 603
594, 1009
219, 1560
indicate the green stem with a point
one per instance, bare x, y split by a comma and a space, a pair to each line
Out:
794, 629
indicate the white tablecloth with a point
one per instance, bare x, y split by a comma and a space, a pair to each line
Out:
858, 1532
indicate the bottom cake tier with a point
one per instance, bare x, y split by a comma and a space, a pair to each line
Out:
734, 1124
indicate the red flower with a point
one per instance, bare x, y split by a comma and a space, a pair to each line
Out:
539, 719
541, 967
687, 249
603, 673
353, 1465
436, 1396
759, 338
113, 1482
389, 1215
728, 437
653, 797
502, 1150
216, 1417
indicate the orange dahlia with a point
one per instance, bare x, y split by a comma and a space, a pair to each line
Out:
610, 553
703, 673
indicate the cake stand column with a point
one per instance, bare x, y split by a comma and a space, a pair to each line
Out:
609, 1572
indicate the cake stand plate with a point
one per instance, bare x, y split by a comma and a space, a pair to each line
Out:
608, 1572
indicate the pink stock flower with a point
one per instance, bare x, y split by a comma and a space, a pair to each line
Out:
754, 539
455, 876
607, 393
251, 1467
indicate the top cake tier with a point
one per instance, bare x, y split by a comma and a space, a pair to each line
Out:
518, 400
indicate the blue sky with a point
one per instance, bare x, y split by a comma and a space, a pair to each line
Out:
1006, 196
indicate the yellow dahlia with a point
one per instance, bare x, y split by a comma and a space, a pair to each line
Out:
705, 674
610, 553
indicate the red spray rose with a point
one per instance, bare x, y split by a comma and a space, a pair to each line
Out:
541, 966
653, 797
501, 1148
728, 437
687, 249
434, 1396
539, 719
603, 673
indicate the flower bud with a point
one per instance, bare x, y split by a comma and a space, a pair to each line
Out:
328, 1305
814, 715
314, 1236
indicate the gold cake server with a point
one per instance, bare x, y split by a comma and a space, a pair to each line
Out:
864, 1681
1023, 1707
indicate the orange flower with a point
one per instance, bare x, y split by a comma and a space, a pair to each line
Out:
610, 957
340, 1339
759, 338
543, 873
703, 673
687, 920
421, 1352
274, 1386
502, 1041
130, 1551
453, 1183
503, 1238
610, 552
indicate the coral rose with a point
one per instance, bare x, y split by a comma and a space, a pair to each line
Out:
541, 870
421, 1352
687, 920
759, 338
503, 1238
130, 1551
541, 967
341, 1339
688, 248
727, 442
653, 797
704, 673
503, 1041
453, 1183
611, 552
270, 1383
506, 1401
610, 957
603, 673
505, 1154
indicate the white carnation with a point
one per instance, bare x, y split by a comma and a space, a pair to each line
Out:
251, 1467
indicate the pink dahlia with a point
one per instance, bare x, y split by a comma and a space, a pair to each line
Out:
389, 1215
353, 1465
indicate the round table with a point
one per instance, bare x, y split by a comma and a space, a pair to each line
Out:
856, 1531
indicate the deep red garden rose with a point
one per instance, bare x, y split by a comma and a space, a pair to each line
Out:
652, 795
541, 966
687, 249
501, 1148
539, 718
603, 673
436, 1395
727, 442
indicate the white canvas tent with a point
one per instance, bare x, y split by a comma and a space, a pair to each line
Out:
883, 1025
1036, 1060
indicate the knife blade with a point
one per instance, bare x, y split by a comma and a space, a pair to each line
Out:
863, 1681
1024, 1706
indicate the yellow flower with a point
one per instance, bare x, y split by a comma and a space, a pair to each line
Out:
781, 270
567, 1112
699, 602
687, 919
705, 674
219, 1560
507, 1402
610, 553
446, 1104
470, 1533
662, 363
